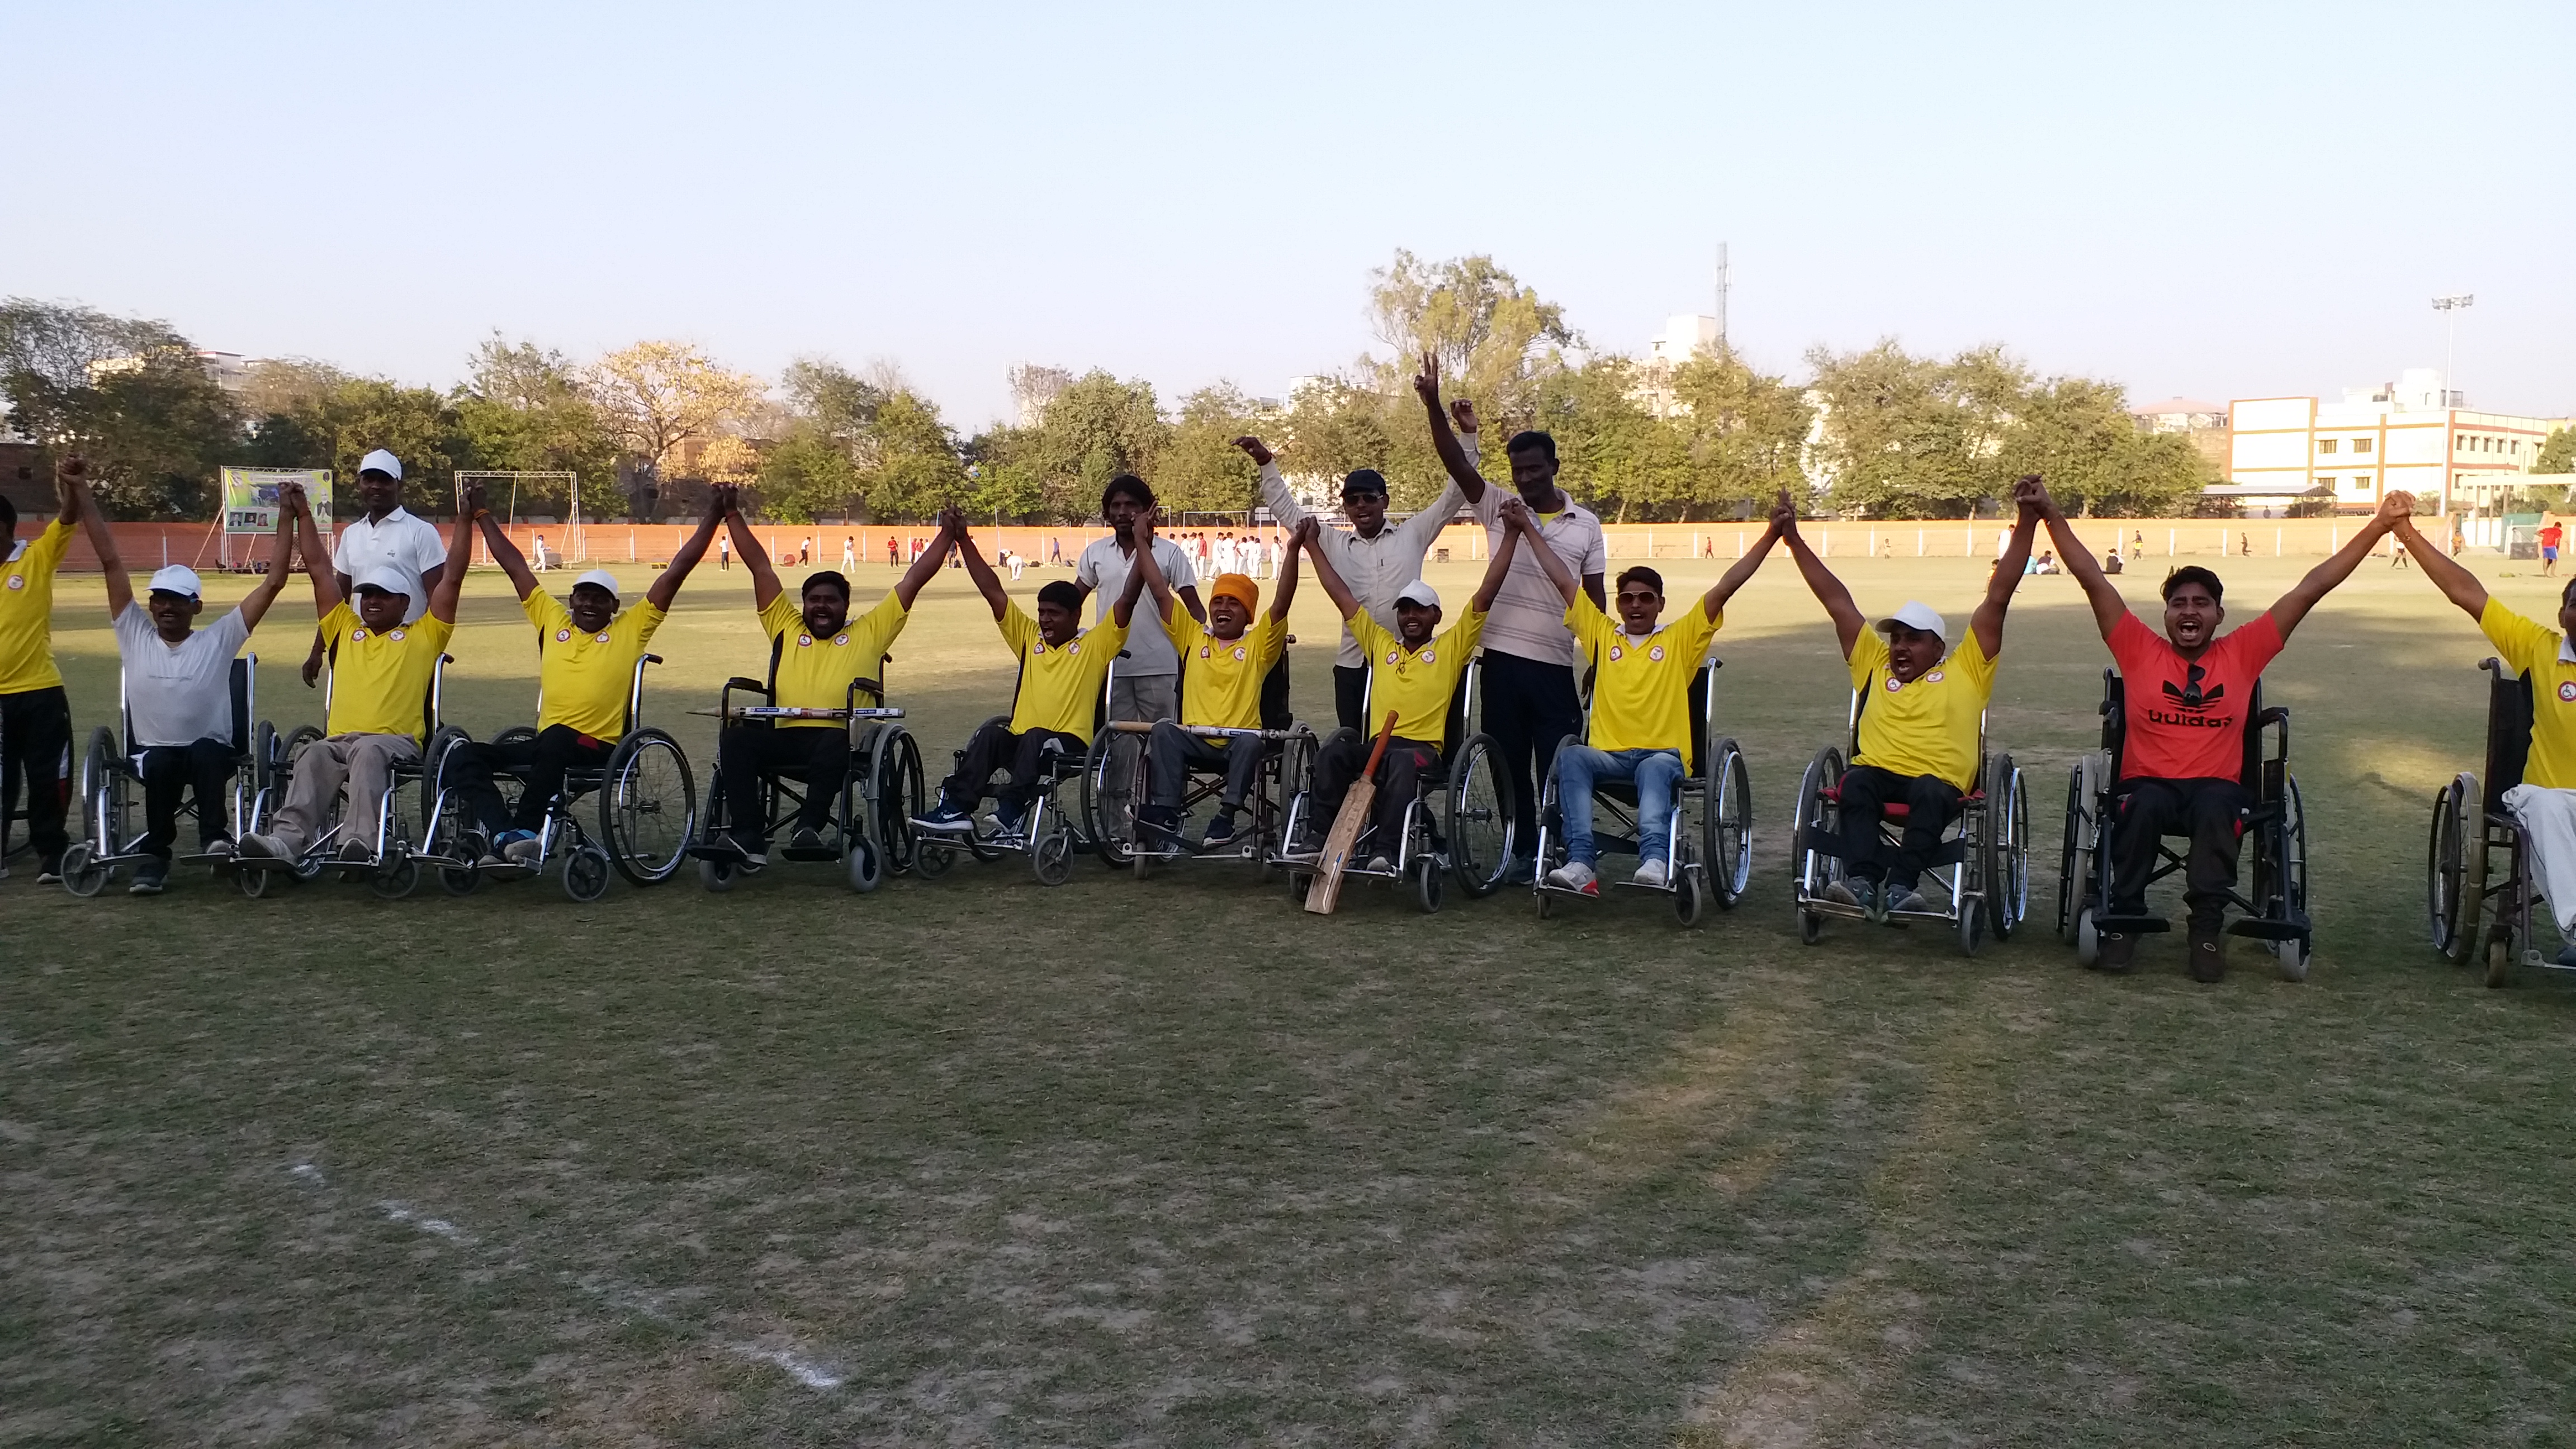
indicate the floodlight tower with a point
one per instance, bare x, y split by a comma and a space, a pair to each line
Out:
2450, 307
1721, 297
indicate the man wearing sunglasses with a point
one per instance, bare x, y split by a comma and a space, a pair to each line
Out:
2182, 765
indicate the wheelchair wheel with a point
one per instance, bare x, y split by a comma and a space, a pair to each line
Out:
932, 857
2088, 937
1426, 883
2007, 900
265, 755
82, 874
585, 874
101, 818
864, 864
433, 782
1109, 779
1051, 858
1689, 898
1811, 927
715, 875
1726, 827
900, 795
2070, 886
647, 809
1972, 925
1812, 869
460, 880
2294, 954
2446, 864
1480, 816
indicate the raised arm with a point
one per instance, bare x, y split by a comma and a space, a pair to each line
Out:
317, 566
1275, 492
1286, 587
1988, 622
1735, 578
71, 487
505, 553
952, 527
1829, 591
1155, 583
986, 582
254, 607
2108, 607
2456, 583
1516, 521
1124, 609
1462, 469
666, 587
1345, 603
764, 574
1557, 573
460, 552
2321, 580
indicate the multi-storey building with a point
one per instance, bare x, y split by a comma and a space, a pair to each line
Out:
2408, 434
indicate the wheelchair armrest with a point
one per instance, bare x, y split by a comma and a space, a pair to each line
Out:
754, 686
2494, 666
652, 658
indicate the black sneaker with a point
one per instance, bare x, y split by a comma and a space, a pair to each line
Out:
805, 838
947, 819
1220, 833
148, 878
2208, 955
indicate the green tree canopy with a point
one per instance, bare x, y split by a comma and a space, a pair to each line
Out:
131, 394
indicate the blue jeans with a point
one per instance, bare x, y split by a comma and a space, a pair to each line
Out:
1655, 773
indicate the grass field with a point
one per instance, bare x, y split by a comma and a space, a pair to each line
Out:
1169, 1162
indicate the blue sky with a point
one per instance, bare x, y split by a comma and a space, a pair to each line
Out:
2214, 200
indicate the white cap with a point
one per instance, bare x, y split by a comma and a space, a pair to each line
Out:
600, 577
1916, 616
381, 461
387, 578
1418, 592
175, 579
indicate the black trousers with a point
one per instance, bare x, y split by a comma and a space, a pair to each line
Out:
1399, 775
1174, 752
747, 754
2209, 810
36, 748
202, 769
1350, 696
1530, 707
541, 762
994, 747
1931, 803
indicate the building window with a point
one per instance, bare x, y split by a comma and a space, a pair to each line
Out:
2361, 445
2325, 445
2325, 482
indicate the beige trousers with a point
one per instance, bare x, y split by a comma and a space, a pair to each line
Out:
364, 763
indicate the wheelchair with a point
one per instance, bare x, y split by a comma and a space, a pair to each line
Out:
2275, 825
391, 865
1120, 752
647, 810
111, 786
1458, 823
871, 825
1979, 875
1050, 832
2474, 911
1709, 849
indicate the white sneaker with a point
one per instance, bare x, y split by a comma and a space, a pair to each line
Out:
1574, 875
264, 847
1380, 864
526, 851
1651, 873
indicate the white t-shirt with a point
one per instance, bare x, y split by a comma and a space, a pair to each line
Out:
1103, 568
408, 543
179, 693
1528, 618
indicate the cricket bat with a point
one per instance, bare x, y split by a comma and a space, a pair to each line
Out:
1325, 891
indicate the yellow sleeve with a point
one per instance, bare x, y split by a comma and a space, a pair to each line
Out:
1464, 634
2519, 642
1971, 656
781, 616
875, 631
50, 545
640, 623
1269, 641
1108, 634
1696, 629
1587, 623
1868, 656
1177, 623
435, 630
545, 611
1019, 631
336, 625
1370, 634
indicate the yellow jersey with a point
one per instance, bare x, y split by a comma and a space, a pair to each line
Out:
1641, 687
27, 611
1221, 678
582, 679
1927, 727
2528, 648
816, 673
1060, 685
1415, 684
380, 680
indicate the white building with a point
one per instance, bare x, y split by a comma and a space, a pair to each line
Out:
1685, 336
2396, 435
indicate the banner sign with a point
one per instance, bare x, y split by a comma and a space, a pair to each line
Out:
250, 497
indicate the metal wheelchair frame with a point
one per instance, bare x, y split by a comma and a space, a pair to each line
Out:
111, 774
1709, 851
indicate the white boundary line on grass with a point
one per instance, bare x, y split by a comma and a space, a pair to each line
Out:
803, 1370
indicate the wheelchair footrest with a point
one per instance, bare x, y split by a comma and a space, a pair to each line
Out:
2267, 930
821, 852
2133, 925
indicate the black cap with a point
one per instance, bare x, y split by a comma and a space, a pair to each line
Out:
1364, 480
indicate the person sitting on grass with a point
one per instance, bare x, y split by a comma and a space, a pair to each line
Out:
816, 649
381, 667
178, 691
1641, 726
2182, 769
2544, 803
586, 653
1224, 661
1922, 708
1062, 669
1413, 674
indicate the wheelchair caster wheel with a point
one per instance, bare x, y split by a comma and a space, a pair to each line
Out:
1052, 858
931, 858
865, 866
1426, 884
2088, 939
585, 874
1689, 899
2295, 955
1811, 927
395, 881
81, 875
715, 875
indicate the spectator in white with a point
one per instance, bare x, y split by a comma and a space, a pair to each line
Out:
385, 535
178, 691
540, 559
1146, 684
849, 550
1373, 559
1530, 654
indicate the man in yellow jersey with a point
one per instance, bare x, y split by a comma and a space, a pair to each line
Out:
380, 673
35, 713
1920, 712
586, 653
816, 650
2544, 804
1062, 668
1412, 674
1640, 731
1223, 663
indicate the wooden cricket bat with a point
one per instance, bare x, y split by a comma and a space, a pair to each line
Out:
1325, 891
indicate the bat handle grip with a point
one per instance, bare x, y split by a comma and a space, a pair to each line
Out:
1385, 733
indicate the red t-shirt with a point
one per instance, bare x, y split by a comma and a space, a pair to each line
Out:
2549, 536
2170, 736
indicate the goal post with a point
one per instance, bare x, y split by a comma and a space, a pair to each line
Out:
509, 485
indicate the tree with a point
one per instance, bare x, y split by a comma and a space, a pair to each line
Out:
1201, 471
1094, 430
1495, 338
1905, 435
1747, 431
1033, 387
655, 396
524, 409
2078, 433
131, 394
806, 475
2558, 453
916, 471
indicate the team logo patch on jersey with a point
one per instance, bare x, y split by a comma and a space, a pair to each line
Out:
396, 636
1073, 648
1394, 655
2567, 691
563, 636
17, 581
1203, 651
357, 634
1617, 653
1430, 658
804, 641
1656, 654
1894, 684
599, 638
1932, 678
1239, 655
836, 639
